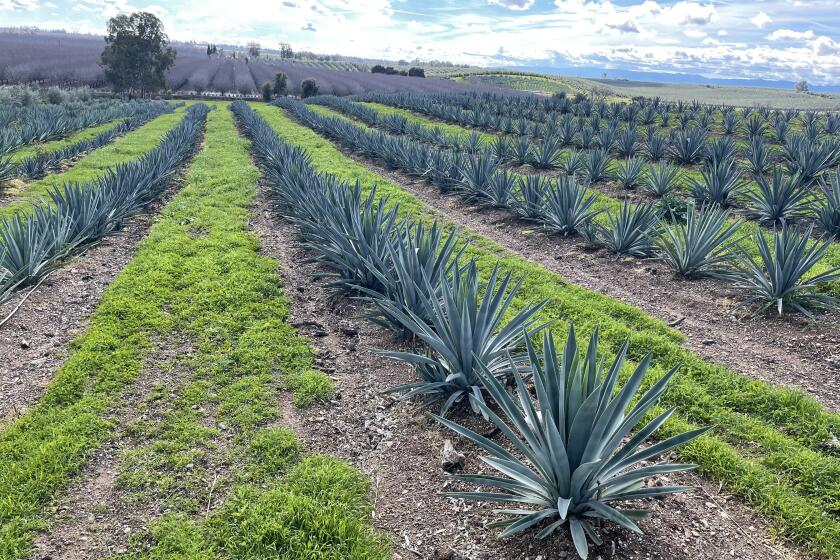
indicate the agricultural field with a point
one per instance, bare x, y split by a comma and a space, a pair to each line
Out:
64, 59
352, 327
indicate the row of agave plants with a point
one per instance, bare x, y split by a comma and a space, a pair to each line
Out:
574, 437
781, 188
807, 153
704, 241
74, 215
41, 162
522, 115
41, 123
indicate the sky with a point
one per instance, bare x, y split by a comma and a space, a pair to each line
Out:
769, 39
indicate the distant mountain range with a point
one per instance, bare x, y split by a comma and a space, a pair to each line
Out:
614, 75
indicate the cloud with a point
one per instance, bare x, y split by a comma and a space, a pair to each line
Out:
790, 35
308, 27
519, 5
761, 19
690, 13
825, 46
19, 5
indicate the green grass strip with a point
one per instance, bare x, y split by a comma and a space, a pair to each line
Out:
198, 272
84, 134
125, 149
743, 451
279, 504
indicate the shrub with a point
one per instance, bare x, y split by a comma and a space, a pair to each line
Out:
573, 455
267, 92
308, 88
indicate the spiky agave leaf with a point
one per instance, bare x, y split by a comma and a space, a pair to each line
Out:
597, 165
780, 277
466, 332
662, 179
418, 259
572, 458
827, 208
779, 198
702, 245
720, 185
567, 208
631, 232
631, 172
529, 199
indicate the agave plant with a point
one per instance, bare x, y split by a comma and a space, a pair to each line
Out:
476, 174
597, 165
758, 156
521, 150
721, 183
529, 203
702, 245
688, 146
546, 154
780, 278
631, 172
656, 147
572, 459
632, 231
417, 260
466, 334
499, 192
567, 207
573, 163
779, 198
662, 179
827, 209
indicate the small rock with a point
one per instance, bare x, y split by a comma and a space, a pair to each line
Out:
451, 460
24, 343
707, 342
349, 330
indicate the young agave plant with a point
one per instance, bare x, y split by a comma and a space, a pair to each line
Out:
632, 231
662, 179
529, 204
631, 172
827, 209
499, 192
465, 334
567, 208
597, 165
778, 199
779, 278
573, 163
572, 454
418, 259
702, 245
720, 185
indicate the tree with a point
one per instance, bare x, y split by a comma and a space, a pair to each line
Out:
377, 69
416, 72
280, 83
286, 50
137, 53
254, 49
308, 88
802, 86
267, 91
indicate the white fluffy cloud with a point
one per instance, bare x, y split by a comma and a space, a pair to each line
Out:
513, 4
790, 35
761, 20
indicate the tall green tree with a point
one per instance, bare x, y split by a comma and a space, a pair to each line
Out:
137, 53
